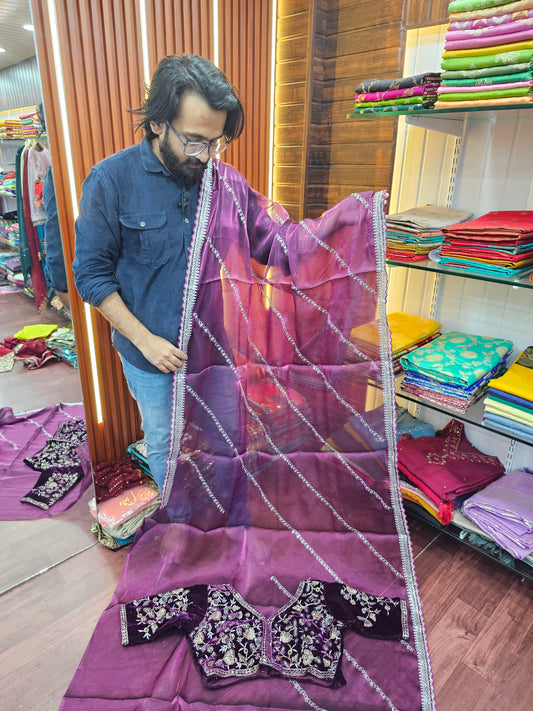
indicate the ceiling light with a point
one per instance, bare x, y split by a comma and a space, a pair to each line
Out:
2, 49
28, 27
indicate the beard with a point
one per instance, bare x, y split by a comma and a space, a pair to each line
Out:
188, 171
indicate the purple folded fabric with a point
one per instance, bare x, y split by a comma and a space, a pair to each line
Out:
504, 510
473, 42
390, 94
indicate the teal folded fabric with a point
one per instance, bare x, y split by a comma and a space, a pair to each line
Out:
455, 357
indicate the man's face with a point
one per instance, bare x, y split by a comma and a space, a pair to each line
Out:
195, 121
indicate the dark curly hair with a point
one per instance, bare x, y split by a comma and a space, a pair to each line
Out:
176, 75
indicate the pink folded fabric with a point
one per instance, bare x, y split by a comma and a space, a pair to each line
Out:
491, 31
473, 42
484, 87
494, 21
391, 94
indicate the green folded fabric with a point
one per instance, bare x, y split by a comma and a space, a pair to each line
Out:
494, 79
512, 69
393, 102
471, 5
496, 94
488, 60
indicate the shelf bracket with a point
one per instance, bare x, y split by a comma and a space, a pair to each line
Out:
452, 126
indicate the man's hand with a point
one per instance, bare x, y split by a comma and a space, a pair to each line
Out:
161, 353
158, 351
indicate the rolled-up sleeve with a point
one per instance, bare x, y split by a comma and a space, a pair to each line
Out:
98, 241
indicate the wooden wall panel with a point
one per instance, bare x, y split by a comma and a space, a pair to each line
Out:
245, 39
368, 44
420, 14
291, 117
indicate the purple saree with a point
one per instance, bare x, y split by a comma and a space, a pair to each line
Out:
44, 461
256, 496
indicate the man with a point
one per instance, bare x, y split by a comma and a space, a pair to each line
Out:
137, 214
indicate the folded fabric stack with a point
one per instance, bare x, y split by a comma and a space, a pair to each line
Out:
10, 231
124, 497
438, 472
409, 332
504, 510
499, 243
509, 402
413, 233
11, 128
8, 184
454, 369
488, 54
411, 93
30, 125
63, 343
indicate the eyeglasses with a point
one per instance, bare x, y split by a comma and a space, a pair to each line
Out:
194, 148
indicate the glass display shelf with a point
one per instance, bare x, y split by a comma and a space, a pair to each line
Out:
490, 550
366, 112
428, 265
473, 416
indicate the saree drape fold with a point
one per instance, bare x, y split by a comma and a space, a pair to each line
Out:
268, 502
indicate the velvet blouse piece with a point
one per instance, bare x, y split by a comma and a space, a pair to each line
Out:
231, 640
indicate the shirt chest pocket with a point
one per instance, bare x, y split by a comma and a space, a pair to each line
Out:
146, 237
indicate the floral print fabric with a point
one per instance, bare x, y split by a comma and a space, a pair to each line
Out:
232, 640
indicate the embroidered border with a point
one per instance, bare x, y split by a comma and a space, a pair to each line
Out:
424, 666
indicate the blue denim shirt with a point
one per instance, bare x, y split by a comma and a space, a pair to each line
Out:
133, 237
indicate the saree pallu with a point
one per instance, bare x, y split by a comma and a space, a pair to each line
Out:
266, 502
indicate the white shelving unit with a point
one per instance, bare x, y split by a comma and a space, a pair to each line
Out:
477, 161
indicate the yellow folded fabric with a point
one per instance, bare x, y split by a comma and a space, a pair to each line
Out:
480, 51
406, 330
484, 102
39, 330
518, 380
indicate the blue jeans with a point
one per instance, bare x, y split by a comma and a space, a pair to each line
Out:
153, 393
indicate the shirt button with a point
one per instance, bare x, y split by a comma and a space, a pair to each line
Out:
187, 220
142, 224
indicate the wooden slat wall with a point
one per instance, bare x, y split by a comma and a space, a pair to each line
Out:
245, 40
368, 44
291, 117
420, 14
101, 59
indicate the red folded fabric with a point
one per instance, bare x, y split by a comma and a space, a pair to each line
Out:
447, 466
